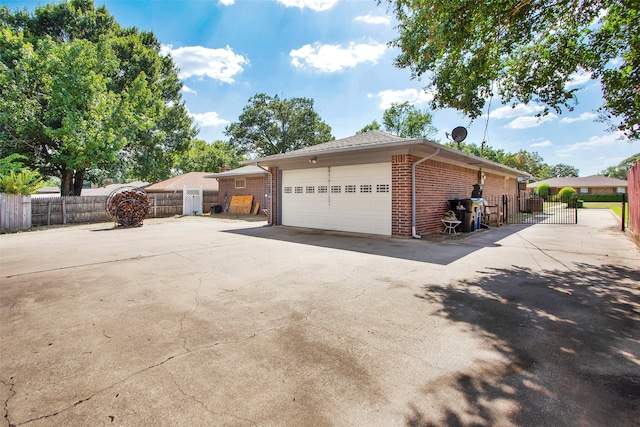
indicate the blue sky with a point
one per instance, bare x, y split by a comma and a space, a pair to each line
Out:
336, 52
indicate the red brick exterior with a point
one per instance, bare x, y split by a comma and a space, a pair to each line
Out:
591, 190
401, 195
272, 217
255, 187
436, 184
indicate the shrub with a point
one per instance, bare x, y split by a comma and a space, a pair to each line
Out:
567, 194
543, 190
23, 182
601, 197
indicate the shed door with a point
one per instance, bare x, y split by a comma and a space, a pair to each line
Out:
345, 198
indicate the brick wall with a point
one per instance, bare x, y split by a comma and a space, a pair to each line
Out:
274, 195
401, 195
255, 187
437, 183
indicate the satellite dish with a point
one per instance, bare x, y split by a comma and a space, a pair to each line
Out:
459, 134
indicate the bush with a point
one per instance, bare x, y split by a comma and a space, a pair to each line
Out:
567, 194
601, 197
24, 182
543, 190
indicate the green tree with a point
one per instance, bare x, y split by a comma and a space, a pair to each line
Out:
560, 170
270, 125
523, 51
407, 121
79, 94
620, 170
374, 125
525, 161
487, 152
204, 157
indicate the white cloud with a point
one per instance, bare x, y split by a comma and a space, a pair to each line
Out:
208, 119
333, 58
199, 61
595, 142
413, 96
508, 112
226, 2
579, 78
581, 117
525, 122
546, 143
187, 89
317, 5
370, 19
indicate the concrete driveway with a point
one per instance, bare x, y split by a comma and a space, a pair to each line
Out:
205, 322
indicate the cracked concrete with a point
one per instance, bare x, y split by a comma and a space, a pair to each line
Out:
194, 321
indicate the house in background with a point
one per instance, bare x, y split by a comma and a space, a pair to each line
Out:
173, 188
594, 184
377, 183
243, 181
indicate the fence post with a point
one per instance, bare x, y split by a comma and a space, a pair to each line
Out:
624, 199
505, 209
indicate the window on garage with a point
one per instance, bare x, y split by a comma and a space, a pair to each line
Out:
241, 183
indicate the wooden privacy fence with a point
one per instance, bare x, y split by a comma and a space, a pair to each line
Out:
15, 212
86, 209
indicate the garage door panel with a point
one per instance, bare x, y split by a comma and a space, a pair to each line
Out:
346, 198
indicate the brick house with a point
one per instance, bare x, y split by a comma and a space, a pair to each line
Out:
593, 184
243, 181
377, 183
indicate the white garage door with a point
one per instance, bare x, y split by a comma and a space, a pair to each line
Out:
344, 198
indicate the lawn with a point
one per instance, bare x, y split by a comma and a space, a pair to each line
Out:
616, 207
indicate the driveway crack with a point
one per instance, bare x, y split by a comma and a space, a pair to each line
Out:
148, 368
184, 317
6, 402
202, 404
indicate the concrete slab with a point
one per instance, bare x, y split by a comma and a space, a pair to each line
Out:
198, 321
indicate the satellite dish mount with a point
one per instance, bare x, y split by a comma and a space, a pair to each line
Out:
458, 135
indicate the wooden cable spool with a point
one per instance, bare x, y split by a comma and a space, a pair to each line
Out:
127, 206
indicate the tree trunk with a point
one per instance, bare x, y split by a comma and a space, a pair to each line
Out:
78, 181
66, 185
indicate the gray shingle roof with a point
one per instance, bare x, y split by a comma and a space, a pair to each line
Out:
248, 170
586, 181
363, 140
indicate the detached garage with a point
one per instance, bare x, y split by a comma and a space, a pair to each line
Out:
377, 183
345, 198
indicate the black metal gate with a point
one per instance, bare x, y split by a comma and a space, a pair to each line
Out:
528, 209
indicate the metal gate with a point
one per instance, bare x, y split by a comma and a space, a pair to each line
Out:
530, 209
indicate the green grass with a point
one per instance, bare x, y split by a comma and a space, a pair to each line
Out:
616, 207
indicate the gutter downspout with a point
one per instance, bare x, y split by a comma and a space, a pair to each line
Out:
270, 194
413, 192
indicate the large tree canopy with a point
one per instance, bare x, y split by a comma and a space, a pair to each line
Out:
523, 160
78, 93
270, 125
204, 157
621, 169
405, 120
522, 51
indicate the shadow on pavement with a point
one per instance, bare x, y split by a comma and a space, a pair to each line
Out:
436, 248
568, 345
